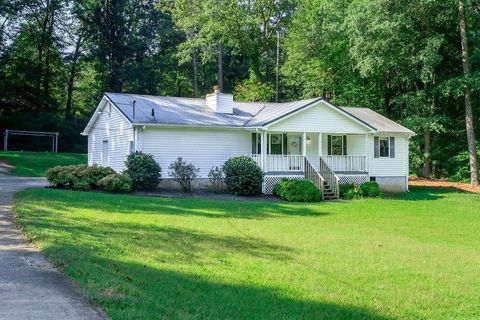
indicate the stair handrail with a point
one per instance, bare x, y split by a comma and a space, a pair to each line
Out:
313, 175
330, 176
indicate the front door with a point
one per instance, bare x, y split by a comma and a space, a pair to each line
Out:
294, 145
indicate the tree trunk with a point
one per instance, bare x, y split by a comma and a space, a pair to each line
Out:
195, 82
426, 170
277, 67
71, 79
472, 149
220, 65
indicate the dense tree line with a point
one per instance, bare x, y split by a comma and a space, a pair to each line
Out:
417, 62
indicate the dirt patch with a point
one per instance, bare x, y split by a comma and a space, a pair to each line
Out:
5, 167
443, 184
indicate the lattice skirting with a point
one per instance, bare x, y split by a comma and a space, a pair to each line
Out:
269, 182
352, 178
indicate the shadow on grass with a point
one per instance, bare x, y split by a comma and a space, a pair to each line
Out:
180, 244
127, 204
423, 193
132, 290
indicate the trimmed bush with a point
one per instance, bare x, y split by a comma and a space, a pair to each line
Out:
93, 174
183, 173
243, 176
77, 177
62, 176
298, 190
371, 189
119, 183
143, 170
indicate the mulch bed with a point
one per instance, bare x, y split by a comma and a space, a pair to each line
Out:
443, 184
203, 194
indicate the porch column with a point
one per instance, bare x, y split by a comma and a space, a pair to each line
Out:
263, 149
319, 144
367, 161
304, 144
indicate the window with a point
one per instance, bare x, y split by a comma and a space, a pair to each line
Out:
337, 145
105, 153
256, 143
384, 147
276, 144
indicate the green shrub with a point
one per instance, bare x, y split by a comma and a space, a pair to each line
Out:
216, 178
183, 173
351, 191
81, 185
143, 170
243, 176
120, 183
77, 177
301, 190
60, 176
93, 174
371, 189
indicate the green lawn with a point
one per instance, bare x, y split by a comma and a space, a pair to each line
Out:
413, 257
34, 164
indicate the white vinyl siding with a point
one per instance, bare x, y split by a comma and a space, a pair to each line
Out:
202, 147
115, 129
319, 118
389, 167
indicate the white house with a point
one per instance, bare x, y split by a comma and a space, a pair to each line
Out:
310, 138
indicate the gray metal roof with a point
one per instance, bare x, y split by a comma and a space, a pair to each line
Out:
195, 112
376, 120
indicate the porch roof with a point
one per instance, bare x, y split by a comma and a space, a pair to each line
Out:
194, 112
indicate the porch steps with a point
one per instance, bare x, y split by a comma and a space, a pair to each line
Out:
328, 193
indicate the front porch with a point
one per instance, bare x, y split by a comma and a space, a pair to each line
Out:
328, 159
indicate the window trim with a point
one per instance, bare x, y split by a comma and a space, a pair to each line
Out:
331, 144
380, 147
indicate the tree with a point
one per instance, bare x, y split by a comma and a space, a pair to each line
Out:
472, 149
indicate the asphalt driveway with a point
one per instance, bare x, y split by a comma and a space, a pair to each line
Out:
30, 287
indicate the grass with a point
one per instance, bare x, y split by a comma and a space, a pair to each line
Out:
35, 164
412, 257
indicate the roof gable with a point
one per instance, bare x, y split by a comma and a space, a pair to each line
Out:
320, 116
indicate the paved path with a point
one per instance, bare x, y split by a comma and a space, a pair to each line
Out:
30, 287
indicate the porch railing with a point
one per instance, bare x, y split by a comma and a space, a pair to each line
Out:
281, 163
284, 163
346, 163
313, 175
330, 177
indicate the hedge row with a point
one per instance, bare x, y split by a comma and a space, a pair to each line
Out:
85, 178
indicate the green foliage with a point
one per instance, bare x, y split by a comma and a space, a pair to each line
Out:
183, 173
77, 177
371, 189
144, 170
297, 190
119, 183
350, 191
252, 89
216, 177
243, 176
365, 190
